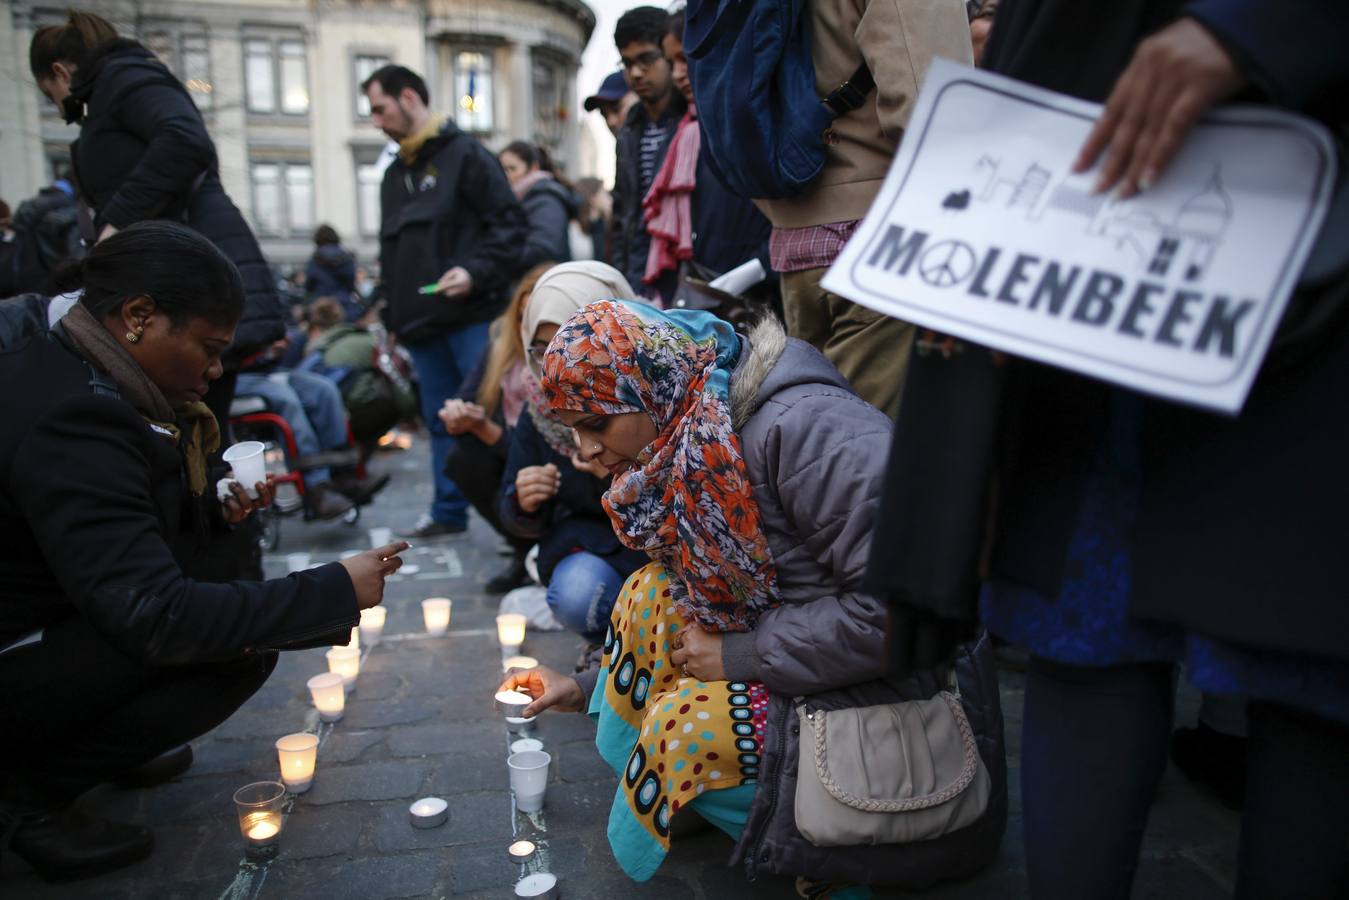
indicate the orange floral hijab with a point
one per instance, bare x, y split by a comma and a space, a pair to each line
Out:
689, 504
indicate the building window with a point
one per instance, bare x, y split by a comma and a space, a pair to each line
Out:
369, 177
195, 69
283, 197
294, 84
473, 88
274, 76
258, 74
365, 66
550, 84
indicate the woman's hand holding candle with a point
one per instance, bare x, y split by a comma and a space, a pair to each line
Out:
550, 690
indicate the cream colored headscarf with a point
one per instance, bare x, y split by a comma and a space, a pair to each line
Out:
563, 290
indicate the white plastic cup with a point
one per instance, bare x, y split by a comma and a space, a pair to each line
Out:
329, 695
372, 625
529, 778
249, 466
380, 536
436, 615
345, 661
298, 562
296, 754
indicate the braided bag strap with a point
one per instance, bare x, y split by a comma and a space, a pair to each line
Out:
911, 804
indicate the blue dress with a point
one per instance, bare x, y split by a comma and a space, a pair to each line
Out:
1088, 623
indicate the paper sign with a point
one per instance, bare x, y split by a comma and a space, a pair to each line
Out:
982, 231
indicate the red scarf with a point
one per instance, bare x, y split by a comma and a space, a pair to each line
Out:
668, 205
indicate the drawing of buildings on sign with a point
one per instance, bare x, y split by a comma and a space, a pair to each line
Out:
1022, 192
1182, 244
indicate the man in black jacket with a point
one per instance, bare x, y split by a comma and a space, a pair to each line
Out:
450, 242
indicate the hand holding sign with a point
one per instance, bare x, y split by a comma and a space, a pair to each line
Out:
1173, 78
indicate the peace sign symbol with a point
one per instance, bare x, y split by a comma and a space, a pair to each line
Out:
945, 264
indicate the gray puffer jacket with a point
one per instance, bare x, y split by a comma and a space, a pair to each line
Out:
815, 453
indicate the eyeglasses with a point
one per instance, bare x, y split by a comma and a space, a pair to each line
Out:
537, 351
642, 61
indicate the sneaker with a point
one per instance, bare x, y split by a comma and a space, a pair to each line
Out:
428, 527
323, 501
509, 578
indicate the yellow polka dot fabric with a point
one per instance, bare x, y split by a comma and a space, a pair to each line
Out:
670, 738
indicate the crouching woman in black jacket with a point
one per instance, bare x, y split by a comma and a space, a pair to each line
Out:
109, 655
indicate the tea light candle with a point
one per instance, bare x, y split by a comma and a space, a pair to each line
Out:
345, 661
436, 614
519, 662
524, 744
511, 629
428, 812
512, 703
329, 695
372, 624
540, 885
263, 830
297, 754
521, 852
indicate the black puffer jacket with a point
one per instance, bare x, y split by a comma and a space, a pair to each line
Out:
144, 153
92, 523
549, 207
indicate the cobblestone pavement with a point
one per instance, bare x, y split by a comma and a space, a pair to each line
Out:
421, 722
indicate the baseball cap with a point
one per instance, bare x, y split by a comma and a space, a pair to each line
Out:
615, 87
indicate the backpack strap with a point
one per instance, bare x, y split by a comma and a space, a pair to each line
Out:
851, 94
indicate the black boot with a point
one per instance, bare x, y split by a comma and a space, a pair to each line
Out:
359, 490
325, 502
509, 578
71, 844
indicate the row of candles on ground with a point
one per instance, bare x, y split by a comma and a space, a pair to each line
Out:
260, 806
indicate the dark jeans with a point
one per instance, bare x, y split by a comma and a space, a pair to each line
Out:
477, 471
1094, 747
77, 711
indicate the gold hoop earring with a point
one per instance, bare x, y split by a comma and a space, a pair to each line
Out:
133, 336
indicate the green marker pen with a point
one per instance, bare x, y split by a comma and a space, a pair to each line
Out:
428, 288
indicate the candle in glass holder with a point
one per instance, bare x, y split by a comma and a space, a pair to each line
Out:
519, 662
345, 661
372, 624
297, 754
436, 614
259, 806
511, 630
329, 695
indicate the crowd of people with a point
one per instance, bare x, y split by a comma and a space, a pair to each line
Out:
794, 548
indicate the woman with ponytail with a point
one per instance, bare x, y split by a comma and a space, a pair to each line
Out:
110, 656
144, 153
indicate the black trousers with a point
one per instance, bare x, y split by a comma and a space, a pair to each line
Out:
478, 471
76, 711
1094, 747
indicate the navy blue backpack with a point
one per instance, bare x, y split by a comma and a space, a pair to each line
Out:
754, 82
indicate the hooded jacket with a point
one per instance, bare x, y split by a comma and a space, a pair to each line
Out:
331, 273
144, 153
815, 455
449, 206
